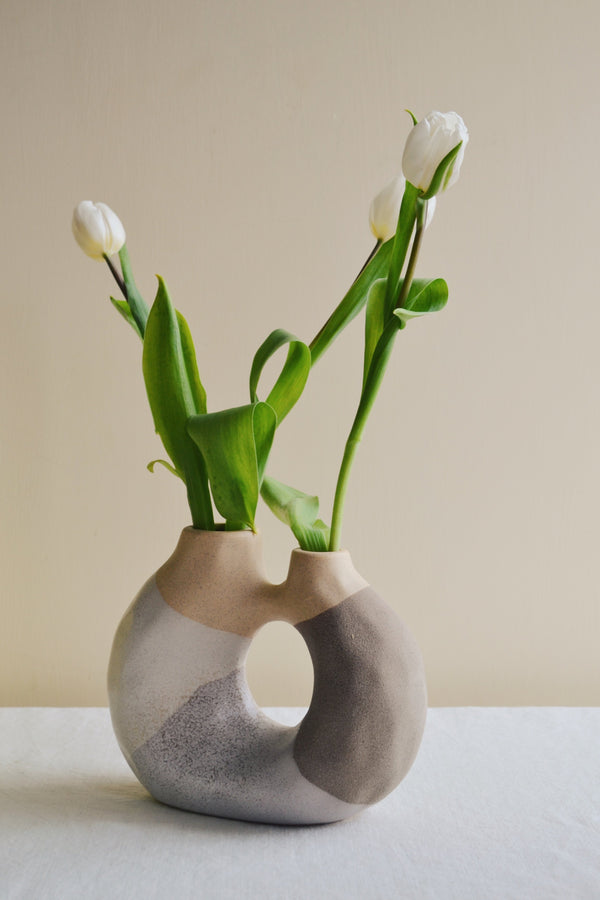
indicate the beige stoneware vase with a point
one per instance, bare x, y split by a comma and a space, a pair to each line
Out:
185, 718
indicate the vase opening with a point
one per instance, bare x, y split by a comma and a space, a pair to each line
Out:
278, 648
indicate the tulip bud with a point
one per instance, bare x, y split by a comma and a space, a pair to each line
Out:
427, 146
97, 229
385, 209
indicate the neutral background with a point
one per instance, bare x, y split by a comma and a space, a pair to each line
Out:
241, 144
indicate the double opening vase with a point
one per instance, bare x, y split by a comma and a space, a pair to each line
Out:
188, 724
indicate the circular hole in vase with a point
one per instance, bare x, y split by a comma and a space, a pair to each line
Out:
279, 671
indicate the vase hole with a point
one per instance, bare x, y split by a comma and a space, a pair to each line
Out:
279, 668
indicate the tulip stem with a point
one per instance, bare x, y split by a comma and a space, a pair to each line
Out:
369, 258
377, 369
373, 380
116, 275
414, 253
353, 301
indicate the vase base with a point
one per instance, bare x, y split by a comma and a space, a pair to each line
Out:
245, 770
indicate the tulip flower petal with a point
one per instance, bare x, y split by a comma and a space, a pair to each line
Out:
428, 144
97, 229
385, 208
443, 176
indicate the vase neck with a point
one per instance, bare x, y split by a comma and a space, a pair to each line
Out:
218, 578
203, 556
317, 582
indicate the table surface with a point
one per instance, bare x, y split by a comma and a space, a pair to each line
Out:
501, 803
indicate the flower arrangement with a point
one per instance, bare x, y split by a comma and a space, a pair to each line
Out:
222, 456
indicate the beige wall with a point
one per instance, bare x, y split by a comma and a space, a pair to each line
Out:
241, 144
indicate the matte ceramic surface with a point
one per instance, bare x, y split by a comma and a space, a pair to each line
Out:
188, 724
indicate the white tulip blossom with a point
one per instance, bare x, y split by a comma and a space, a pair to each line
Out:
97, 229
385, 209
429, 143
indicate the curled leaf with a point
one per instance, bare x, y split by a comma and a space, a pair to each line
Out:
425, 296
290, 383
162, 462
299, 511
235, 445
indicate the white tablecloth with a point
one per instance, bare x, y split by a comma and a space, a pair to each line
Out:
501, 803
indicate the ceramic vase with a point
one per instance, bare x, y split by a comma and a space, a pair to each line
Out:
185, 718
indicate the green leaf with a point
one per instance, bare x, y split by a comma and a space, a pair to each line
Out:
175, 393
137, 304
442, 174
374, 321
353, 302
191, 366
168, 466
235, 444
290, 384
405, 315
427, 295
401, 242
122, 306
299, 511
412, 115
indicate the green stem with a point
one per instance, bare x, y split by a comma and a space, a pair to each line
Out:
373, 383
354, 300
116, 275
414, 253
368, 259
377, 368
327, 326
199, 501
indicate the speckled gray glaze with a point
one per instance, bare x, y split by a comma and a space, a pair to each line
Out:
188, 724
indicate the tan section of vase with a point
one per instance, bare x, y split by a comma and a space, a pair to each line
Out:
217, 578
317, 582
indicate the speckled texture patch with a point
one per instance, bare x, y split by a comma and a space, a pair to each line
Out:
220, 755
367, 714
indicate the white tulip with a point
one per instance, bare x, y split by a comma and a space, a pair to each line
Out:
97, 229
428, 143
385, 209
